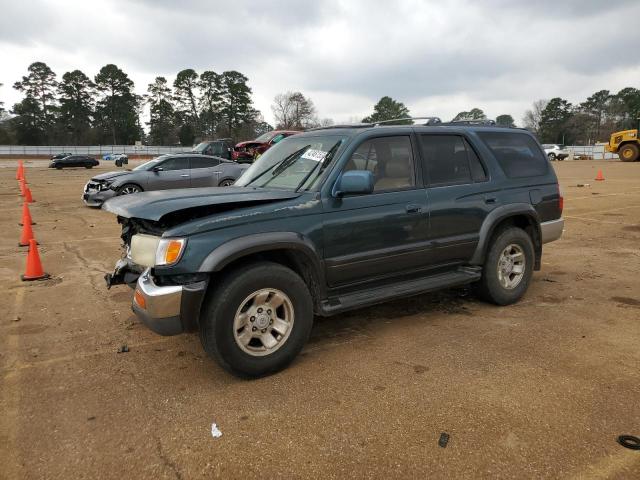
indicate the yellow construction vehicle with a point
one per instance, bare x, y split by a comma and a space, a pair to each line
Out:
626, 144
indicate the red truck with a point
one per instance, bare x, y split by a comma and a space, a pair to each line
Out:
251, 149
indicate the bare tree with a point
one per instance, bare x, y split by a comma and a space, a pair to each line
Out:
292, 110
531, 119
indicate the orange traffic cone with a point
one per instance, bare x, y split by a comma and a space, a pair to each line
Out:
26, 236
26, 215
27, 195
22, 187
34, 266
20, 171
600, 177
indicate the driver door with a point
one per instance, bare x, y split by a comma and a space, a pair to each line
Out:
383, 233
175, 173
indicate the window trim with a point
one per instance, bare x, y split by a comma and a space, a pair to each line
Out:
417, 184
465, 141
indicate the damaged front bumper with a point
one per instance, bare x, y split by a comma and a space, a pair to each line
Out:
170, 309
93, 197
124, 273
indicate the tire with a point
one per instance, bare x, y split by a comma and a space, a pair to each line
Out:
226, 183
492, 289
129, 189
551, 157
629, 152
88, 167
222, 330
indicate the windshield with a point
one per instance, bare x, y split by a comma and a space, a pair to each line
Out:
201, 147
265, 137
294, 163
148, 165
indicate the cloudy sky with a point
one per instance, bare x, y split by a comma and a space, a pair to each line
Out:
438, 57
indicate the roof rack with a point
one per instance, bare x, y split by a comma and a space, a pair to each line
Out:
343, 125
484, 121
429, 120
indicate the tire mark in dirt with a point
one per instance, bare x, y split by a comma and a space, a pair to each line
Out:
88, 265
166, 460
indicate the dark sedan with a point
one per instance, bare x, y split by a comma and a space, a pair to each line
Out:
74, 161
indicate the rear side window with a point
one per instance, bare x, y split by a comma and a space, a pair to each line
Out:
450, 160
203, 162
175, 163
517, 153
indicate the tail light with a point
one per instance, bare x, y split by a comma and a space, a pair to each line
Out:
560, 200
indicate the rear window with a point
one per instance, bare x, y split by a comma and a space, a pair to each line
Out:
517, 153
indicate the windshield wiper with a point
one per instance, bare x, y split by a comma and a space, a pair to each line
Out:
324, 163
279, 164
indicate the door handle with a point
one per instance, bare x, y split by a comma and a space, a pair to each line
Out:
413, 208
184, 175
490, 200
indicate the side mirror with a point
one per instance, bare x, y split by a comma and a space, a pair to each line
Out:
353, 182
157, 169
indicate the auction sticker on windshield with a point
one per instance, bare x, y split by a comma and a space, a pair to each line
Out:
315, 155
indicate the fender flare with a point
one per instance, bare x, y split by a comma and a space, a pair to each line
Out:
498, 215
240, 247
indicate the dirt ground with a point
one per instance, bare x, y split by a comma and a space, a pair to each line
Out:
540, 389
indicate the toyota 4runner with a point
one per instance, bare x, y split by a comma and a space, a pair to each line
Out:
335, 219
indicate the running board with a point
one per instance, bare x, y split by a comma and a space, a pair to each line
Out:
461, 276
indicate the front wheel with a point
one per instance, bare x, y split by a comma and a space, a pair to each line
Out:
629, 152
257, 320
128, 189
508, 267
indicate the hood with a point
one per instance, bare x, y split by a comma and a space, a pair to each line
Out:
155, 205
110, 175
249, 143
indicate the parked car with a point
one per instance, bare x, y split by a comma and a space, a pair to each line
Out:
74, 161
247, 152
555, 151
120, 159
335, 219
163, 173
60, 156
222, 148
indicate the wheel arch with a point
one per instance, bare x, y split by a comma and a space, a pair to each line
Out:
290, 249
522, 216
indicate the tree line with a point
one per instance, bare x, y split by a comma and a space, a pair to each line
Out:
594, 120
78, 110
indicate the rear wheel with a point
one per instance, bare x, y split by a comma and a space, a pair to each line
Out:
226, 183
129, 188
257, 320
508, 267
552, 157
629, 152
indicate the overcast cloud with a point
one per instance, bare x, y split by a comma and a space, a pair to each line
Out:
438, 57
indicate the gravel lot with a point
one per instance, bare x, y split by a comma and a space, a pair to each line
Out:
540, 389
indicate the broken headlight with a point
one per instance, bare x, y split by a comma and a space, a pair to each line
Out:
152, 251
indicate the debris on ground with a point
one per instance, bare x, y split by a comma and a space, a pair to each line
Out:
443, 440
583, 185
629, 441
123, 349
215, 432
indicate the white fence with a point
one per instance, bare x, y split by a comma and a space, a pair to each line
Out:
590, 152
97, 150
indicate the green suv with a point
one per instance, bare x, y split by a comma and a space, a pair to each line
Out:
334, 219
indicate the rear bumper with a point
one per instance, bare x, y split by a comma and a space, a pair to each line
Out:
552, 230
168, 310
